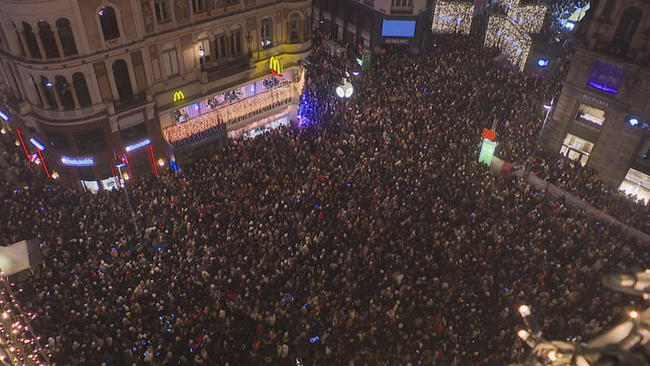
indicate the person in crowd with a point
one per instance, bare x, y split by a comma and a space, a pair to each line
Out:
366, 233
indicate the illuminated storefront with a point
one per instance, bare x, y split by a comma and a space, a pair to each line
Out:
638, 184
220, 100
245, 111
576, 148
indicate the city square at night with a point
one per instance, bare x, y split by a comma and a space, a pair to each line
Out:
326, 182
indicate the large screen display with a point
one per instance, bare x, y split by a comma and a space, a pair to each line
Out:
398, 28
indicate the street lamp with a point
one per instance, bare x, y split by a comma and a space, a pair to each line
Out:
249, 39
345, 90
548, 107
625, 344
201, 53
121, 163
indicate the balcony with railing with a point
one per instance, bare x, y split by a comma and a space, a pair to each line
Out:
218, 71
137, 100
68, 115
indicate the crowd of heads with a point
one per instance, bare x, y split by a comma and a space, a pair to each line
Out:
364, 234
584, 183
14, 167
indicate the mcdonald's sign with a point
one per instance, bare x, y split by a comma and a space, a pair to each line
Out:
276, 66
179, 95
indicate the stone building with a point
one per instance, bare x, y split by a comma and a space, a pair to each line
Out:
92, 80
602, 117
400, 25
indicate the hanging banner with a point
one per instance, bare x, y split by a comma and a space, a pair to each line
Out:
487, 152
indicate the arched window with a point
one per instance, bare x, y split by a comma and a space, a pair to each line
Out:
220, 44
47, 38
67, 39
36, 92
627, 28
81, 88
30, 39
108, 21
294, 28
49, 92
20, 43
266, 32
170, 59
235, 40
203, 43
122, 79
63, 88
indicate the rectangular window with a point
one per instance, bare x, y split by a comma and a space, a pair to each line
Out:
235, 42
352, 15
606, 77
590, 114
90, 141
198, 6
162, 10
576, 148
367, 24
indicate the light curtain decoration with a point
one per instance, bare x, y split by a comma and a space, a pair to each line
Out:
452, 17
510, 33
529, 18
509, 39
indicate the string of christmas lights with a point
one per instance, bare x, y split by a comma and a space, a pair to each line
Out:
452, 17
236, 111
510, 39
18, 344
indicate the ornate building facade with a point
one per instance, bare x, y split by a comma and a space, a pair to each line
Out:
86, 81
602, 117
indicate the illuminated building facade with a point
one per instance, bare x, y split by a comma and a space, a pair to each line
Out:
92, 80
602, 117
401, 25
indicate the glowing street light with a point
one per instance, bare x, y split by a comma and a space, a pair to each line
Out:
523, 334
345, 90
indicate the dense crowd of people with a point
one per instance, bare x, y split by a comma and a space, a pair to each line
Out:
364, 234
583, 182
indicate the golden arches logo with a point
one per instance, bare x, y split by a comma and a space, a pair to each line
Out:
276, 66
179, 95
